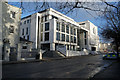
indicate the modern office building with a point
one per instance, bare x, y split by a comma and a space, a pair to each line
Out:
49, 28
9, 38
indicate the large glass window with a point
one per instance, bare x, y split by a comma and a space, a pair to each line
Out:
41, 27
58, 26
57, 36
71, 39
47, 36
63, 37
67, 38
74, 39
63, 27
71, 30
85, 35
27, 30
46, 26
74, 31
67, 29
22, 31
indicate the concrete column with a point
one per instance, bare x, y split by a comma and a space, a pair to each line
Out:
52, 46
19, 51
7, 51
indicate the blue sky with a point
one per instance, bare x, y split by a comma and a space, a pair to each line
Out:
78, 15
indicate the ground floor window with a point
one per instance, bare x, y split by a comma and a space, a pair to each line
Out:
93, 48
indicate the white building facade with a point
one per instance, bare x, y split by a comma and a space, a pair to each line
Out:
11, 17
48, 29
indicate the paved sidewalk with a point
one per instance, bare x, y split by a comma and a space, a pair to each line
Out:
112, 72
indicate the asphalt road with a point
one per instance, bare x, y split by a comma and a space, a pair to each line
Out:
77, 67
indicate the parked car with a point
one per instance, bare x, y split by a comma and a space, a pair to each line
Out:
110, 56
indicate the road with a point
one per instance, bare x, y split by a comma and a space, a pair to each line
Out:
77, 67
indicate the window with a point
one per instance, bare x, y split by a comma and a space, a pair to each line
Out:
74, 39
67, 47
24, 47
22, 31
58, 26
41, 36
63, 37
85, 36
47, 36
71, 30
67, 38
13, 14
27, 30
58, 36
41, 27
67, 29
71, 39
24, 22
28, 21
11, 29
46, 26
28, 37
73, 48
24, 37
63, 27
74, 31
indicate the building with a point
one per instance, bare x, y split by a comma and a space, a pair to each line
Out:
90, 38
11, 17
49, 29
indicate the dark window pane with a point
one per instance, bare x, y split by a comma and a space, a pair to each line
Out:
74, 39
26, 30
67, 38
28, 37
57, 36
85, 41
41, 27
24, 22
58, 26
46, 26
41, 36
63, 37
47, 36
63, 27
22, 31
67, 29
24, 47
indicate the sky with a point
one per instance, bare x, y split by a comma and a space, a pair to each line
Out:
78, 15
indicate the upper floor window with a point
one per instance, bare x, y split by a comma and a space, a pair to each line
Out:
22, 31
57, 36
67, 29
12, 14
11, 29
67, 38
63, 27
24, 22
85, 35
58, 26
28, 21
27, 30
20, 23
74, 39
71, 30
46, 26
42, 19
74, 31
63, 37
